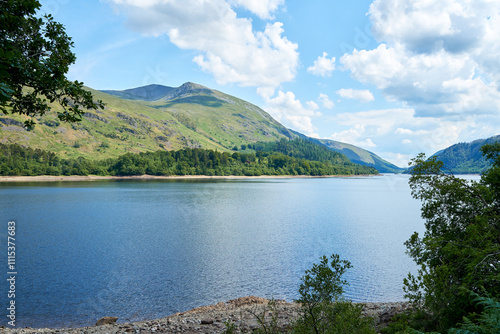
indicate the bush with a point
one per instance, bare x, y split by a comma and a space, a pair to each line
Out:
487, 323
324, 310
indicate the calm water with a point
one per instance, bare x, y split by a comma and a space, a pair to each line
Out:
148, 249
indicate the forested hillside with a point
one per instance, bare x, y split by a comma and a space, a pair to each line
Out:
465, 158
18, 160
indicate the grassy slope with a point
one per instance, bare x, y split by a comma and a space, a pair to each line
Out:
216, 121
361, 156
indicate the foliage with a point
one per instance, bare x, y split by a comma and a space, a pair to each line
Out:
301, 148
309, 150
18, 160
466, 157
360, 156
230, 327
401, 324
460, 249
487, 323
35, 55
323, 308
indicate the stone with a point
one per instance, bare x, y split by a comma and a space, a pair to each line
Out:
207, 321
106, 321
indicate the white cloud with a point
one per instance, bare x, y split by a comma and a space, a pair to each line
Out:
362, 95
285, 108
392, 127
440, 57
262, 8
229, 47
355, 136
398, 159
265, 92
323, 66
425, 26
312, 105
325, 101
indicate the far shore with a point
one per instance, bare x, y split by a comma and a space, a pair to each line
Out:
53, 178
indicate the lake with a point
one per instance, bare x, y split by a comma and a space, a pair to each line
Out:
149, 248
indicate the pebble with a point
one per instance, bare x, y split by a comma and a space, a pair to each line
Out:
210, 319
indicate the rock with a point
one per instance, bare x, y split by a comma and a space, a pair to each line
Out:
211, 319
106, 321
206, 321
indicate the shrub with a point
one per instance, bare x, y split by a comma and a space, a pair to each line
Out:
324, 310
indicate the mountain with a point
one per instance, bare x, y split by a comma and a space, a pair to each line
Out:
146, 93
361, 156
157, 117
150, 118
355, 154
465, 158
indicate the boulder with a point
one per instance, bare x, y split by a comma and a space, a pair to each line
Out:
106, 321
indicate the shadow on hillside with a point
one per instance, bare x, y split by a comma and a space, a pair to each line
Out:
207, 101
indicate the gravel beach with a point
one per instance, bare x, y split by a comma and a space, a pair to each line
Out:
213, 319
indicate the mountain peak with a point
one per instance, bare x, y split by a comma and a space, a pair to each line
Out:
157, 92
191, 85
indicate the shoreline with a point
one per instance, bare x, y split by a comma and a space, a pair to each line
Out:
213, 318
53, 178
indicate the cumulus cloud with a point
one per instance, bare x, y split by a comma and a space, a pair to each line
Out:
355, 136
323, 66
440, 57
285, 108
229, 47
262, 8
325, 101
363, 95
312, 105
390, 127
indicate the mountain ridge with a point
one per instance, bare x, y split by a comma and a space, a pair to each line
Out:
149, 118
155, 92
156, 117
361, 156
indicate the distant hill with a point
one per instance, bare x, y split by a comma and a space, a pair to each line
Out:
150, 118
362, 156
465, 158
356, 154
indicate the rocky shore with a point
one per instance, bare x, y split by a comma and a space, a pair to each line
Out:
241, 312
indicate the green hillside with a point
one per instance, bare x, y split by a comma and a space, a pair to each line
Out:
18, 160
361, 156
465, 158
151, 118
156, 117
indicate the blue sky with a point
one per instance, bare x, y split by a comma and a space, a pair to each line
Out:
396, 77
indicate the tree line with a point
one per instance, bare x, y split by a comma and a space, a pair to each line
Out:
19, 160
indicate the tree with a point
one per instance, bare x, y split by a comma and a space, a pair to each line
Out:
324, 310
459, 252
35, 55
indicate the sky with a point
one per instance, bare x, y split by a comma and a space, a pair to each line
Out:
395, 77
